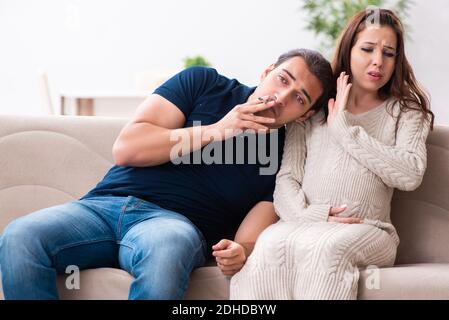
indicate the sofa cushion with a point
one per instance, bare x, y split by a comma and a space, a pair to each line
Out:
51, 160
206, 283
411, 282
414, 281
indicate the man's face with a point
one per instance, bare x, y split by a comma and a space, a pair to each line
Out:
295, 88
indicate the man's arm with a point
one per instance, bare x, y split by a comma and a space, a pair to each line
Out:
231, 255
145, 140
257, 220
149, 138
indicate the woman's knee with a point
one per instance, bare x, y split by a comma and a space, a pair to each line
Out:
342, 246
274, 237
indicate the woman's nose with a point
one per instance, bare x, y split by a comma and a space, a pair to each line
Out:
377, 58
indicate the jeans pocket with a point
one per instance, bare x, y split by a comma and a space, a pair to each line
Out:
131, 202
136, 203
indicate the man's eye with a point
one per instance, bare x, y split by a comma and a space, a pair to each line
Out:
283, 80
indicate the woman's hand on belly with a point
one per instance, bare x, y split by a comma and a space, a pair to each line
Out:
335, 211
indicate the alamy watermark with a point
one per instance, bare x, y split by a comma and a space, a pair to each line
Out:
372, 277
73, 280
247, 144
372, 17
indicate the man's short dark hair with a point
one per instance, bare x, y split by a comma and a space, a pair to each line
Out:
320, 68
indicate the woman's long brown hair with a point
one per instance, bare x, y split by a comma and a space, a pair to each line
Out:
402, 85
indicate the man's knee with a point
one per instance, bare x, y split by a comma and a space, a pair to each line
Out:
174, 240
180, 236
161, 254
20, 234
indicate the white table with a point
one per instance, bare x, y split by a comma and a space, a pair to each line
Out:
84, 101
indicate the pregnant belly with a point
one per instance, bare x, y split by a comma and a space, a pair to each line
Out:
366, 196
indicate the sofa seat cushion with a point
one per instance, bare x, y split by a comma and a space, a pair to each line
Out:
206, 283
413, 281
408, 282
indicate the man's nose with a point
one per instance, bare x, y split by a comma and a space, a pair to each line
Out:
280, 98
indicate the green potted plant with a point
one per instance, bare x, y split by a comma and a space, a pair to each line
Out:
326, 18
196, 61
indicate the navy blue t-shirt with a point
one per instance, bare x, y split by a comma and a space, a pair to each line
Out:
214, 196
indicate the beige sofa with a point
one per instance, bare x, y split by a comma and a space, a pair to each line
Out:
54, 159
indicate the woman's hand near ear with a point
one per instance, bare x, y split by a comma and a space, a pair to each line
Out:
341, 100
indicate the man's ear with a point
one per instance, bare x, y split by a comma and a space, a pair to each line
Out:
305, 116
267, 71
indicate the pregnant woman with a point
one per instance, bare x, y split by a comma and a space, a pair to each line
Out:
372, 142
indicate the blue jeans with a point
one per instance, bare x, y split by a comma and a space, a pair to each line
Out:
158, 247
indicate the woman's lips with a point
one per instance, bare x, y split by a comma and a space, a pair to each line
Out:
375, 76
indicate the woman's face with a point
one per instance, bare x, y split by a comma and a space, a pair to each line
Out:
373, 58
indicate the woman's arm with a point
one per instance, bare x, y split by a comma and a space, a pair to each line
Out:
289, 199
400, 166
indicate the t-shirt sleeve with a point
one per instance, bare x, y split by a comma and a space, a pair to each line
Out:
269, 196
185, 87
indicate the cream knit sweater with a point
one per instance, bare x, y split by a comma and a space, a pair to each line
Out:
357, 160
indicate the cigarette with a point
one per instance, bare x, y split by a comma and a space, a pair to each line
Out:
270, 98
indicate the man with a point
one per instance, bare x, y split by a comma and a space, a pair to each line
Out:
156, 214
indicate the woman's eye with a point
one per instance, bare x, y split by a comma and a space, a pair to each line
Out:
300, 99
367, 49
389, 54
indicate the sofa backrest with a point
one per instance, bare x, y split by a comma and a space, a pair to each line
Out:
421, 217
48, 160
54, 159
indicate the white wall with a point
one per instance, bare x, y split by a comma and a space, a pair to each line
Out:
99, 45
428, 52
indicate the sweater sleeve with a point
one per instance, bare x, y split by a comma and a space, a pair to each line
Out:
289, 199
400, 166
